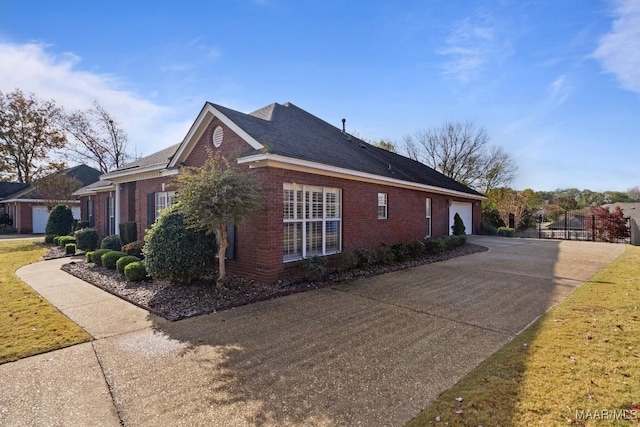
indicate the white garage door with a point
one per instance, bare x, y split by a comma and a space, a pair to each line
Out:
465, 210
40, 217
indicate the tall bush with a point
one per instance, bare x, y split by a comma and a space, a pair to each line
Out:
87, 239
458, 228
60, 221
174, 252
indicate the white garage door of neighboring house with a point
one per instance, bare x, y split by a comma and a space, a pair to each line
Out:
40, 217
465, 210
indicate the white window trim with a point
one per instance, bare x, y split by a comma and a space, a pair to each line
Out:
169, 199
384, 204
304, 220
428, 207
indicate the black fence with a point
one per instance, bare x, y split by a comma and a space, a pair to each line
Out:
580, 226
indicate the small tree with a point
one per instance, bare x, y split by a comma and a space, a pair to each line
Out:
60, 221
214, 196
609, 226
57, 188
458, 227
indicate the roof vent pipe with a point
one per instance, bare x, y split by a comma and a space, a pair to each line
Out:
343, 125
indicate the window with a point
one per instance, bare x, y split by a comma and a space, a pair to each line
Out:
382, 205
428, 206
164, 199
111, 215
312, 221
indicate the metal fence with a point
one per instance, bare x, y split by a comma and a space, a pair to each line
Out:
580, 226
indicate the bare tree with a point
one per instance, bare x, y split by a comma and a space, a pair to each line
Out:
385, 145
57, 188
98, 138
29, 133
460, 151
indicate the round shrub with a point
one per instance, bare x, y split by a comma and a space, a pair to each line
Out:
70, 249
506, 232
110, 258
176, 253
399, 251
60, 221
414, 249
5, 219
134, 248
346, 261
135, 271
111, 242
365, 258
315, 267
64, 240
87, 239
49, 238
56, 240
88, 256
435, 246
384, 255
124, 261
97, 255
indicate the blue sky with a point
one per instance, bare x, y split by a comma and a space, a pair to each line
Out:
555, 83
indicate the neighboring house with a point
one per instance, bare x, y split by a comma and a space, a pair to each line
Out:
324, 191
28, 209
573, 222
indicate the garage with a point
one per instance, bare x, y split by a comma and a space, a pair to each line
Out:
40, 216
465, 210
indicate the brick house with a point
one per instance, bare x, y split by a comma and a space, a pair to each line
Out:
324, 191
26, 206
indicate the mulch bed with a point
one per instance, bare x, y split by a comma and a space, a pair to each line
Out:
176, 302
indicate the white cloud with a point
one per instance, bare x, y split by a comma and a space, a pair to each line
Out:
619, 50
33, 68
470, 46
559, 90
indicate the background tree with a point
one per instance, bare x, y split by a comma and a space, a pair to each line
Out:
461, 151
97, 137
634, 193
512, 202
386, 145
609, 226
30, 131
215, 196
57, 188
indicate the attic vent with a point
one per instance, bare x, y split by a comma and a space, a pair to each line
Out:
218, 134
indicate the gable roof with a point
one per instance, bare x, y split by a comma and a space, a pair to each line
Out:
9, 188
285, 131
83, 173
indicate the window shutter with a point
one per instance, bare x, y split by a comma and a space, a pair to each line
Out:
151, 208
231, 240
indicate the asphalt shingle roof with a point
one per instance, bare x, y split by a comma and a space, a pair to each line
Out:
83, 173
290, 131
159, 158
9, 188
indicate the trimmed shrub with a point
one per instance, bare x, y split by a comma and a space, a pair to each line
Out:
56, 240
110, 259
458, 228
414, 249
87, 239
435, 246
135, 271
6, 229
134, 248
70, 249
60, 221
64, 240
111, 242
97, 255
399, 251
365, 258
124, 261
174, 252
88, 256
315, 267
346, 261
384, 255
506, 232
128, 232
488, 229
49, 238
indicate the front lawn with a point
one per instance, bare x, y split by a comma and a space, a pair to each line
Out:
577, 365
28, 323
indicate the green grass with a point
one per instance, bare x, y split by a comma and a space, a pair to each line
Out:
28, 323
582, 357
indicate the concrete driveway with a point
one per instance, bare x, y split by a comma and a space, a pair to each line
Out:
372, 352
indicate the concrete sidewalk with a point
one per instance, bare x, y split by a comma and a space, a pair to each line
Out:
372, 352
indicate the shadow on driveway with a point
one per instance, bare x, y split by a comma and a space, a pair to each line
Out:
374, 352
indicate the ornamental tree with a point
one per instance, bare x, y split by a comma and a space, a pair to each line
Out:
213, 197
